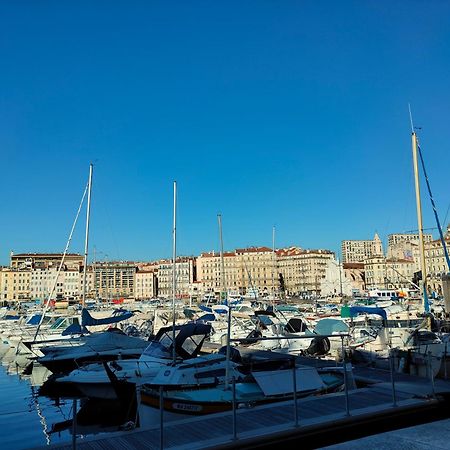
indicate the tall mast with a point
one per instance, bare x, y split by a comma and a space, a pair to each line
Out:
419, 217
174, 266
224, 292
222, 261
86, 239
273, 262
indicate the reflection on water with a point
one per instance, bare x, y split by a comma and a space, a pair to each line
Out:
25, 418
32, 419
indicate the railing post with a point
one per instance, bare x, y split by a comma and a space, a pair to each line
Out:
234, 409
430, 368
391, 365
344, 367
445, 360
74, 424
161, 418
294, 385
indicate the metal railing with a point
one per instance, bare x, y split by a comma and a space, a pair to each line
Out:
235, 403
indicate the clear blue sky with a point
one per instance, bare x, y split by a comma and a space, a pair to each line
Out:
290, 113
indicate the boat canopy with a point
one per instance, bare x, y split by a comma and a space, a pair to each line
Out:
189, 339
88, 320
330, 326
355, 310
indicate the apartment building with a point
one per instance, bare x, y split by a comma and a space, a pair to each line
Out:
114, 279
389, 273
356, 251
14, 284
436, 264
24, 261
185, 276
303, 270
146, 285
245, 269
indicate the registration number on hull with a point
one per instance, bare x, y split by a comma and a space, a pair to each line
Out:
186, 407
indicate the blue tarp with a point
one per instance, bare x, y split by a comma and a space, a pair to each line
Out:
87, 320
355, 310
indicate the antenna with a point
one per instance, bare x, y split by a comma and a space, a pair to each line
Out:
410, 118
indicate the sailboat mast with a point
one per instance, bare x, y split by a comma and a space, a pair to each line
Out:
419, 220
174, 266
273, 263
222, 261
86, 239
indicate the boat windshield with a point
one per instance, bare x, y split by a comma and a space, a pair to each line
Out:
161, 348
57, 323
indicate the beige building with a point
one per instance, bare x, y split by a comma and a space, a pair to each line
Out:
398, 238
259, 269
389, 273
14, 284
145, 284
436, 264
246, 269
302, 270
185, 276
114, 280
357, 251
30, 261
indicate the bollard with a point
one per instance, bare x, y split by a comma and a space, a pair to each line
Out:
74, 425
294, 384
234, 409
347, 405
161, 418
391, 364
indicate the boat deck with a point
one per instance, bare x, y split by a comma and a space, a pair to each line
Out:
257, 427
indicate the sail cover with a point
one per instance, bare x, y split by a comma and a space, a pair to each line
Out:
88, 320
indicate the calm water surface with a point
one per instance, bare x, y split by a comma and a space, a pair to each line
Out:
26, 419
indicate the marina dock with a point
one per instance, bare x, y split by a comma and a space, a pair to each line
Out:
321, 420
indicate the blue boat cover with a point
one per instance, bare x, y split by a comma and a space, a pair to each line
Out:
330, 326
206, 318
355, 310
75, 328
88, 320
35, 319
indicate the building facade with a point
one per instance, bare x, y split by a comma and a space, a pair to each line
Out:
357, 251
185, 268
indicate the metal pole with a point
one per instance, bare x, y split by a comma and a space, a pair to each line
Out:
234, 410
161, 418
445, 360
74, 425
273, 264
86, 239
391, 364
294, 390
174, 267
222, 262
347, 405
228, 355
430, 356
419, 221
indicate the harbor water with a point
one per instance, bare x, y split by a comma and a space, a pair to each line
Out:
26, 419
